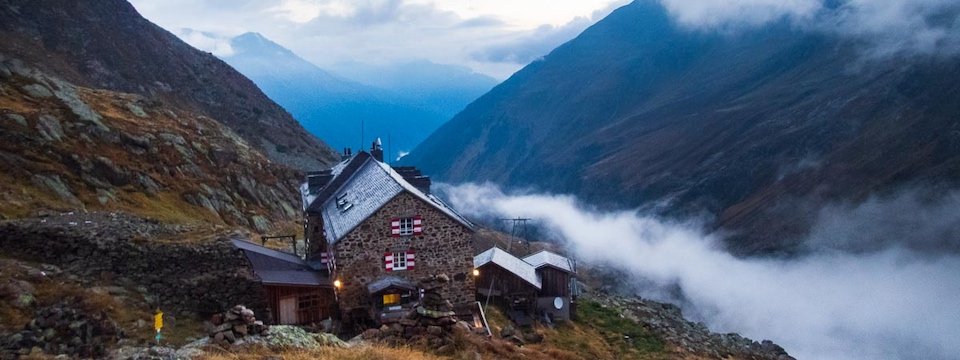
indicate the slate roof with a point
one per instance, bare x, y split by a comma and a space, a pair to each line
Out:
387, 282
366, 185
509, 263
274, 267
546, 258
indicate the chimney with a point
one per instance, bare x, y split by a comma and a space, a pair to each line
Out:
376, 150
347, 153
316, 180
413, 176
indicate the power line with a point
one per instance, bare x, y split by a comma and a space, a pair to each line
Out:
515, 233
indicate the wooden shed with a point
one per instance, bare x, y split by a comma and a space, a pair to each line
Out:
296, 294
507, 278
557, 274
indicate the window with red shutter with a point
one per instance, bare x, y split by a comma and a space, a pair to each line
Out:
396, 261
406, 226
410, 259
388, 261
395, 227
417, 225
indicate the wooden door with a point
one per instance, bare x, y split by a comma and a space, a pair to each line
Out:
288, 310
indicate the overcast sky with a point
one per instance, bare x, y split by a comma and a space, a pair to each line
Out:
498, 37
495, 37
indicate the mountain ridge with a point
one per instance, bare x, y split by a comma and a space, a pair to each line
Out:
743, 127
109, 45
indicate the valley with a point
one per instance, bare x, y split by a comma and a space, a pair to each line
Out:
674, 180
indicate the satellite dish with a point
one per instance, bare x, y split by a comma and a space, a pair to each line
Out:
558, 303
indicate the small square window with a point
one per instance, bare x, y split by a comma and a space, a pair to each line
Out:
399, 261
406, 226
391, 299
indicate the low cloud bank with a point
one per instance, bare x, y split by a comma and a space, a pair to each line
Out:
886, 303
889, 27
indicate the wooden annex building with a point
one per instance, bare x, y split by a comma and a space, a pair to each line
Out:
543, 284
295, 293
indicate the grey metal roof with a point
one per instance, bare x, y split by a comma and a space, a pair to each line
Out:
387, 282
366, 185
509, 263
279, 268
546, 258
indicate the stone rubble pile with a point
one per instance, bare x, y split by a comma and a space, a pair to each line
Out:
432, 321
235, 324
64, 329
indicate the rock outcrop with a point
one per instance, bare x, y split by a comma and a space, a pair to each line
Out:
666, 322
71, 148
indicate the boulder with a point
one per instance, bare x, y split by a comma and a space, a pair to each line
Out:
533, 337
50, 128
507, 331
17, 118
37, 91
370, 334
136, 110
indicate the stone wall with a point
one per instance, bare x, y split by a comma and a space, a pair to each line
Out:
445, 247
189, 279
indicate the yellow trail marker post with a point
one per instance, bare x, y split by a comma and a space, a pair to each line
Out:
158, 324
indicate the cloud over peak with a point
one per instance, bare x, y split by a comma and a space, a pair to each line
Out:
888, 27
722, 13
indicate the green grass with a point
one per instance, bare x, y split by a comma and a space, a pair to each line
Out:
618, 331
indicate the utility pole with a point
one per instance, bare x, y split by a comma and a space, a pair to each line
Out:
521, 233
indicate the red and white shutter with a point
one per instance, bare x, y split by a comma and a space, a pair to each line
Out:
331, 261
410, 259
325, 258
388, 261
395, 227
417, 225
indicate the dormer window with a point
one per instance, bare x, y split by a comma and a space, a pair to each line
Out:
342, 203
407, 226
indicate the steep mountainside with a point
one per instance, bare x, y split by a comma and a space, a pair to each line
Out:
758, 127
108, 45
406, 106
64, 147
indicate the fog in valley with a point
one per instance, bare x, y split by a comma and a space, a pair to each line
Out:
858, 293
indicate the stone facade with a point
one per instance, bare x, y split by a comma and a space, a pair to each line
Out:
444, 247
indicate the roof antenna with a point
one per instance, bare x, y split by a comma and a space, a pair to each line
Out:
361, 134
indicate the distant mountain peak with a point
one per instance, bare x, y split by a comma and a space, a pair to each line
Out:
400, 102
